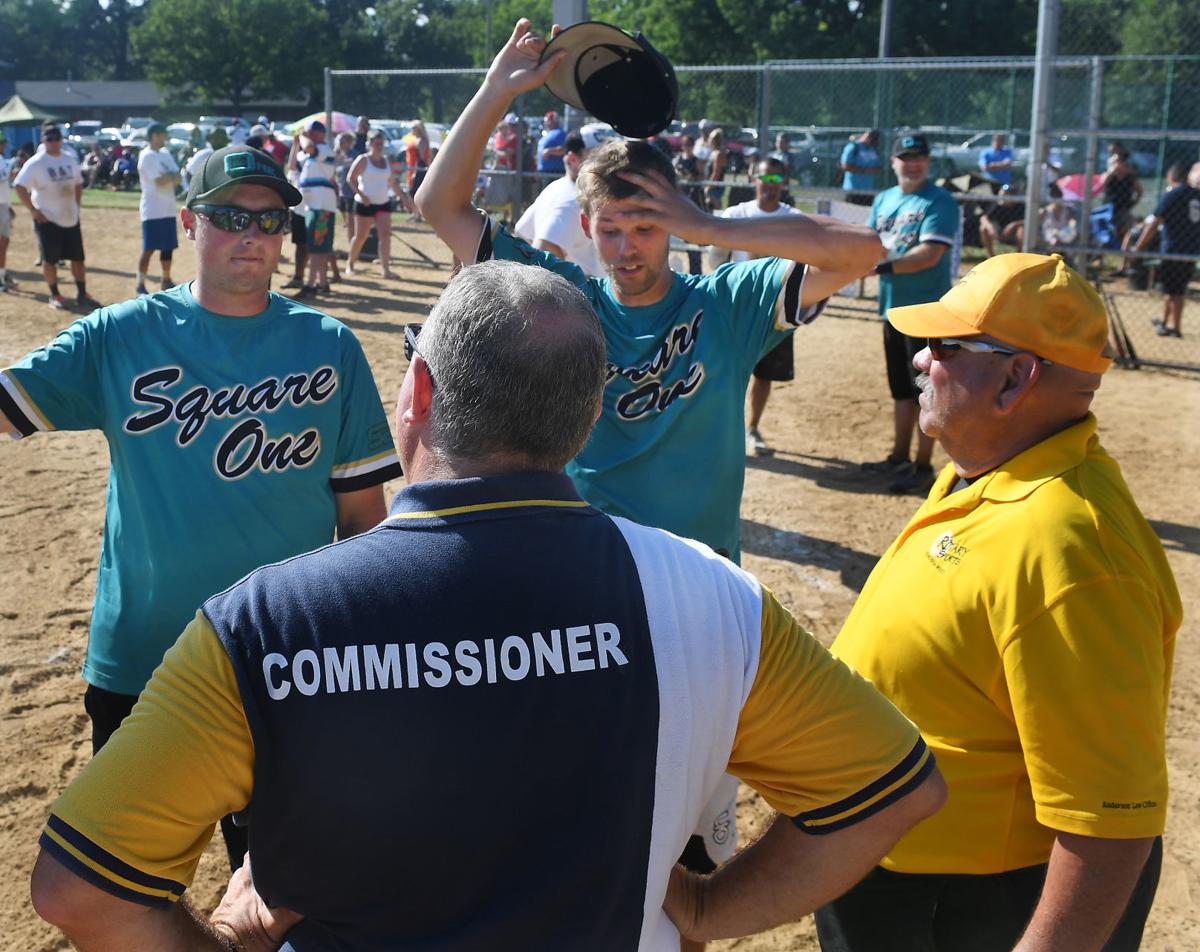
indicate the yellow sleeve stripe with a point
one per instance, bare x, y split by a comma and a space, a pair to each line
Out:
102, 869
484, 506
900, 780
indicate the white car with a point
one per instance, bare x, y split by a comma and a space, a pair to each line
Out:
135, 124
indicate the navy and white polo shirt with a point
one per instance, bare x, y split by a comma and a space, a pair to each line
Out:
491, 722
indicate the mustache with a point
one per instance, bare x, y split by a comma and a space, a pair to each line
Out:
922, 382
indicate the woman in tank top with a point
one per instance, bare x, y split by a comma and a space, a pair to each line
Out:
373, 182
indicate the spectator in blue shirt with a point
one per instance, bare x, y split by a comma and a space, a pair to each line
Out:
996, 163
551, 149
860, 164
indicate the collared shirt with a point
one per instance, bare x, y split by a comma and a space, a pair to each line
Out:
534, 697
1027, 623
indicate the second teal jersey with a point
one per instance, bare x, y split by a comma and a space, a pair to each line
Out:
669, 448
905, 220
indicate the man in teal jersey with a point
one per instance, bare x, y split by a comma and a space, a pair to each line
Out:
918, 223
243, 429
669, 448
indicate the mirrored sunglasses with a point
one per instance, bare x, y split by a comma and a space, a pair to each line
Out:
271, 221
771, 178
943, 348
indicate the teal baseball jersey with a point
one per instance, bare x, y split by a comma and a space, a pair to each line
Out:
903, 221
669, 448
228, 437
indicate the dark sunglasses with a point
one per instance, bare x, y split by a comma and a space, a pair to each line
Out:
271, 221
52, 137
771, 178
943, 348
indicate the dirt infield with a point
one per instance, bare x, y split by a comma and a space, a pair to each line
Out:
812, 529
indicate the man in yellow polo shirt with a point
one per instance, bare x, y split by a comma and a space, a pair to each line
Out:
1025, 620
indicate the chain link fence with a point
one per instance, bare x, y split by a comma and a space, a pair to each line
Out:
1114, 127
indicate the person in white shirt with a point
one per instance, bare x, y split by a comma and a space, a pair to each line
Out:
318, 184
6, 213
770, 182
159, 175
552, 223
50, 185
374, 183
216, 139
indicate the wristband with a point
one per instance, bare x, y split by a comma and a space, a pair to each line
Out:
885, 267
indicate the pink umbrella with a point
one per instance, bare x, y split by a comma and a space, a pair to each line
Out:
1072, 186
342, 122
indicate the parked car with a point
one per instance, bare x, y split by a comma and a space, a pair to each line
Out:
207, 123
83, 133
950, 160
134, 124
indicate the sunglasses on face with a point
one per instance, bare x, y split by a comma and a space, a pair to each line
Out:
271, 221
52, 137
771, 178
943, 348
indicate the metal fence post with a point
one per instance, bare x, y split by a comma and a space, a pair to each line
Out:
764, 110
329, 98
1166, 117
1084, 238
1043, 82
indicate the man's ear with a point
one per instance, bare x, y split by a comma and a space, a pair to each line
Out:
1021, 376
586, 225
187, 218
422, 392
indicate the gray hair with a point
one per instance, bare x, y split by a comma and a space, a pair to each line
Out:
518, 363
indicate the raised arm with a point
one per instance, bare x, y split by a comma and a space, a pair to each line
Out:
445, 198
836, 253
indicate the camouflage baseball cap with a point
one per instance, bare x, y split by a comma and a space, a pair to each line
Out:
239, 165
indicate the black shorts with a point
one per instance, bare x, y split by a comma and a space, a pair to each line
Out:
370, 211
899, 351
1175, 276
299, 231
909, 912
107, 710
58, 243
779, 363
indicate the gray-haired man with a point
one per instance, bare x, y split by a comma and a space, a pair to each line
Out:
560, 690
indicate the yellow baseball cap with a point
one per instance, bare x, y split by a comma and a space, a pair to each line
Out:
1034, 302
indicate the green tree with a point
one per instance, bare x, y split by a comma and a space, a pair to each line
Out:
31, 33
229, 49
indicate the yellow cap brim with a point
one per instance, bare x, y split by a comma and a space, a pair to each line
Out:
929, 320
